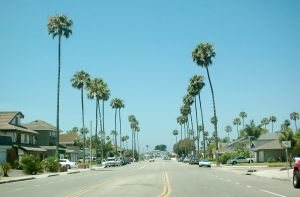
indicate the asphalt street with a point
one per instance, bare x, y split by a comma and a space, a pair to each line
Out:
153, 179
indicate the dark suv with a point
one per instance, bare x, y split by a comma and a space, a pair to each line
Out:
296, 173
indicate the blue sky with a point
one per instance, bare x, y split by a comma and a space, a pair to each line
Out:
142, 49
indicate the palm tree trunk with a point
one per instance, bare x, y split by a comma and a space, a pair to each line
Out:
202, 121
102, 135
120, 129
57, 104
216, 120
197, 125
296, 126
103, 128
83, 126
96, 128
116, 144
138, 144
180, 131
272, 127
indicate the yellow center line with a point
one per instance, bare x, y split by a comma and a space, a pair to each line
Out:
167, 187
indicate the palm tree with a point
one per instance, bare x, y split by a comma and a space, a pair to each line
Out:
243, 115
114, 137
272, 120
120, 105
133, 125
264, 122
59, 25
179, 121
188, 100
94, 91
237, 122
114, 105
228, 129
105, 94
81, 80
175, 133
294, 117
196, 85
203, 55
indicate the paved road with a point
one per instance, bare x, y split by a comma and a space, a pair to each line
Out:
160, 178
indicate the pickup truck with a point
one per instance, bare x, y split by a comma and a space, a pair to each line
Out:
239, 160
66, 162
296, 173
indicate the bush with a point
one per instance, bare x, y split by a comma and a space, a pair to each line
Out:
51, 164
226, 156
271, 160
5, 167
83, 165
15, 164
31, 164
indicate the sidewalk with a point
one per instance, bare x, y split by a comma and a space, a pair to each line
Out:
18, 175
262, 171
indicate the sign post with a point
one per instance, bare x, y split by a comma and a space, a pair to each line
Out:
286, 145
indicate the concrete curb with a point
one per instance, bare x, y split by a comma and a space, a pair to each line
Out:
16, 180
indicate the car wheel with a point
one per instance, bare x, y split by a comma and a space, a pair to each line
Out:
234, 163
296, 180
68, 166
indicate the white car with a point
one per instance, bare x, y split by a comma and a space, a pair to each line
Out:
66, 162
204, 163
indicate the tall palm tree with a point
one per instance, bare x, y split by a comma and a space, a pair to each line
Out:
81, 80
137, 139
228, 129
295, 116
243, 115
203, 55
114, 137
133, 125
175, 133
188, 100
114, 105
94, 91
264, 122
59, 25
180, 122
272, 119
120, 105
237, 122
105, 94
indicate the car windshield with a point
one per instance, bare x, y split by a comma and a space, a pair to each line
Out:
134, 98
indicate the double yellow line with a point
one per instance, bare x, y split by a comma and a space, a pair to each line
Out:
167, 187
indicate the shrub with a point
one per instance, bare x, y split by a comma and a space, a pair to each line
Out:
15, 164
5, 167
51, 164
83, 165
271, 160
226, 156
31, 164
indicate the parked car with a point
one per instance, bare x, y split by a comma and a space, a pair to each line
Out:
186, 159
180, 159
239, 160
111, 161
296, 173
194, 161
204, 162
151, 159
67, 163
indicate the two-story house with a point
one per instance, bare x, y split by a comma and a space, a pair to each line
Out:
46, 137
68, 140
15, 139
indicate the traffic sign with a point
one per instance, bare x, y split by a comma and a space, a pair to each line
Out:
286, 144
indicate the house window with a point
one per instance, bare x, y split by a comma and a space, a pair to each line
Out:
25, 139
30, 139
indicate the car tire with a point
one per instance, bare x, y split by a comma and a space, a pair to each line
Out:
296, 179
68, 166
234, 163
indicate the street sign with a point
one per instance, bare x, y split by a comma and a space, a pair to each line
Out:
286, 144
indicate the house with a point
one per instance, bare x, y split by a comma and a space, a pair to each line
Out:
69, 141
268, 147
16, 139
46, 137
232, 146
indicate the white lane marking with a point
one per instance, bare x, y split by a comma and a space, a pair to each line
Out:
248, 186
18, 189
266, 191
237, 183
143, 167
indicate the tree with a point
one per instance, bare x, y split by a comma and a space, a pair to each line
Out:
134, 126
228, 129
59, 25
79, 81
272, 120
243, 115
203, 55
161, 147
195, 87
252, 130
286, 134
264, 122
94, 91
294, 117
237, 122
175, 133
